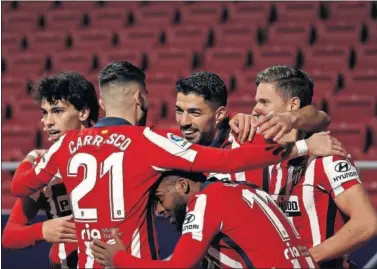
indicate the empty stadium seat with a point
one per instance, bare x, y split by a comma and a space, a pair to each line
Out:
46, 41
326, 82
352, 108
371, 32
139, 38
290, 33
202, 13
155, 15
187, 37
249, 12
26, 62
77, 5
77, 61
16, 137
338, 33
235, 36
92, 39
351, 10
267, 56
351, 135
245, 81
167, 60
20, 22
63, 20
361, 82
329, 56
372, 126
366, 56
109, 18
11, 43
240, 103
301, 11
161, 85
27, 113
116, 54
225, 60
12, 87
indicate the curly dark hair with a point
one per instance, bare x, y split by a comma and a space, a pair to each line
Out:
290, 82
121, 72
71, 87
206, 84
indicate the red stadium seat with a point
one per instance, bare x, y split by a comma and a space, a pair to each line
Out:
352, 108
12, 87
155, 15
352, 10
240, 103
139, 37
361, 82
92, 39
32, 6
167, 60
338, 33
113, 18
331, 57
301, 11
11, 43
116, 54
187, 37
366, 56
224, 60
26, 62
372, 32
27, 113
245, 82
63, 20
369, 179
351, 135
249, 12
78, 5
46, 41
325, 82
289, 33
235, 36
267, 56
77, 61
161, 85
20, 22
17, 138
202, 13
154, 111
372, 125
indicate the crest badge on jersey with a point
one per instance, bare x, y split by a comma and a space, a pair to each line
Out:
342, 171
179, 141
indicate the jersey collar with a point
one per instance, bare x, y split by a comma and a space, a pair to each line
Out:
111, 121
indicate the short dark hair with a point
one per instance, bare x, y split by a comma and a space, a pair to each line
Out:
206, 84
68, 86
121, 72
194, 176
289, 81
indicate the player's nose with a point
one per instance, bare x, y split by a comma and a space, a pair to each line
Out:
160, 209
185, 120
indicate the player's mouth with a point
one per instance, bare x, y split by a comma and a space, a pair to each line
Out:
189, 133
54, 134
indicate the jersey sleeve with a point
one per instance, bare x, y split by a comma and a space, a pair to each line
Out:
28, 179
340, 174
201, 224
168, 151
17, 233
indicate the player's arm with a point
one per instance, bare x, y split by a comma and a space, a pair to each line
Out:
308, 119
171, 152
202, 223
28, 179
351, 198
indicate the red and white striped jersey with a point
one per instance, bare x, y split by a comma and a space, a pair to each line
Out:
305, 189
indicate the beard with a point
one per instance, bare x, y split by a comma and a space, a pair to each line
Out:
179, 214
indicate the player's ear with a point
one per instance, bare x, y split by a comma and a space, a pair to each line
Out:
220, 114
138, 98
294, 103
184, 186
84, 114
101, 104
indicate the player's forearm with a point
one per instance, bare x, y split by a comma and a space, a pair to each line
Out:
350, 237
17, 237
309, 119
242, 158
25, 180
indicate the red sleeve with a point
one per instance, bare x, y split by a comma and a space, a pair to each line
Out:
173, 152
28, 179
339, 174
199, 228
16, 232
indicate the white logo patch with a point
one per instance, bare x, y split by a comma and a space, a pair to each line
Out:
288, 204
342, 171
193, 224
179, 141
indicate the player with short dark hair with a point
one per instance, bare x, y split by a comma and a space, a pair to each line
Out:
109, 169
235, 225
318, 193
68, 101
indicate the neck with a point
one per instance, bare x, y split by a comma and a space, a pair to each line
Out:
126, 115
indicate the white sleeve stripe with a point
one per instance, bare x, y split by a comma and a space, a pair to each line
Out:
327, 161
46, 158
169, 146
200, 207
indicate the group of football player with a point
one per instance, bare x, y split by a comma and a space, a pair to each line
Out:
270, 189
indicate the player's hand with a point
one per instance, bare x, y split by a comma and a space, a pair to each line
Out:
59, 230
242, 124
322, 144
104, 253
274, 125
